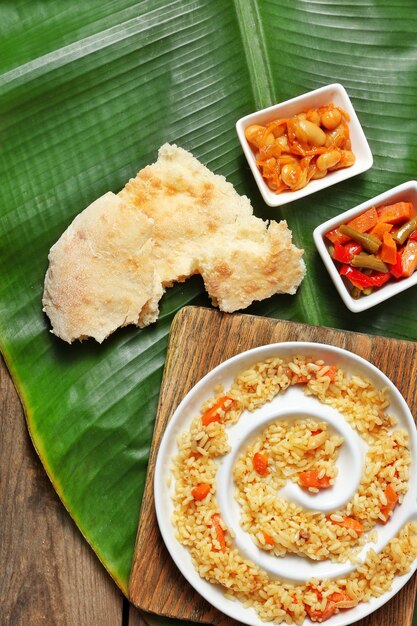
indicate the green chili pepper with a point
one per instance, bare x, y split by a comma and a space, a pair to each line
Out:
356, 293
369, 261
405, 231
368, 242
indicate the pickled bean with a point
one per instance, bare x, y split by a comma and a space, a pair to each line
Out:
347, 158
317, 174
313, 116
328, 159
269, 139
283, 143
310, 133
290, 174
255, 134
337, 137
331, 118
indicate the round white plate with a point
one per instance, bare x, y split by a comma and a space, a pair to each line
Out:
350, 464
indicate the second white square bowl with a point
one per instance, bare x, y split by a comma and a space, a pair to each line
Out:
406, 192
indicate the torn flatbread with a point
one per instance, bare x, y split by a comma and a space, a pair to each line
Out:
245, 270
189, 205
101, 273
174, 219
203, 226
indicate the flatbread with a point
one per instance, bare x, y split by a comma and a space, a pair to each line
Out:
174, 219
203, 226
246, 270
101, 274
189, 205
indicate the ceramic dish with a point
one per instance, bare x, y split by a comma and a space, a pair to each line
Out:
331, 93
404, 192
350, 464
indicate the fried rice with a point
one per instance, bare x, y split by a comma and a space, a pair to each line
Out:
302, 450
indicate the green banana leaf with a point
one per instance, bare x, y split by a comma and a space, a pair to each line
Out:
88, 92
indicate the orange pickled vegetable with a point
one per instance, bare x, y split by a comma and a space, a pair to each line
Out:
212, 414
219, 533
388, 252
380, 228
260, 463
365, 221
351, 523
396, 213
201, 491
335, 236
268, 538
316, 615
342, 600
392, 499
337, 600
310, 478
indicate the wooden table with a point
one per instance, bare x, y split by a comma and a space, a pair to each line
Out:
49, 575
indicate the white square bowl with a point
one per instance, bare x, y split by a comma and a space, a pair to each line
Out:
330, 93
404, 192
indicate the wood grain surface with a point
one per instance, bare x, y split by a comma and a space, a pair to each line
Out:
49, 576
200, 339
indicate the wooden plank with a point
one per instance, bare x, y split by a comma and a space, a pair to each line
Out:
136, 618
201, 339
49, 575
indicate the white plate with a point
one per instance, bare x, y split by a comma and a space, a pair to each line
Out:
335, 93
350, 464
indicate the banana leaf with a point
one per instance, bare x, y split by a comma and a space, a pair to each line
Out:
88, 92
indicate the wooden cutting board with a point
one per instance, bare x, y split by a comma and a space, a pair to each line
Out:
200, 339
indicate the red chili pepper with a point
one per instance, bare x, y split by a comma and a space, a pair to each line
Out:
344, 254
413, 236
361, 280
397, 270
